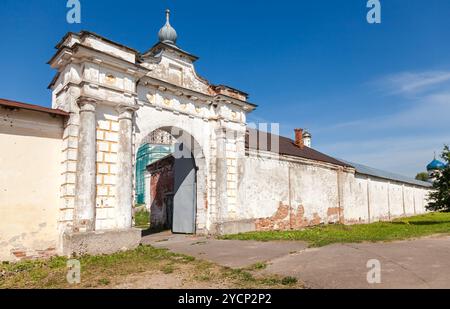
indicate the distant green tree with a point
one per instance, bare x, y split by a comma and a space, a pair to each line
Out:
422, 176
440, 197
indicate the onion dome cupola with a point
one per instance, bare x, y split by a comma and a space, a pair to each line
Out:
436, 165
167, 34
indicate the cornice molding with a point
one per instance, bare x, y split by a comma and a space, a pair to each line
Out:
164, 86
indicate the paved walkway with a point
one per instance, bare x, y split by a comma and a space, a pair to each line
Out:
231, 253
421, 263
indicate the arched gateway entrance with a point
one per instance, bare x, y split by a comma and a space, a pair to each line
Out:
171, 187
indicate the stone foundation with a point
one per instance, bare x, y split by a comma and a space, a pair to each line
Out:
100, 242
236, 227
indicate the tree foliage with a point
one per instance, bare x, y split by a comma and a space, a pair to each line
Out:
439, 199
422, 176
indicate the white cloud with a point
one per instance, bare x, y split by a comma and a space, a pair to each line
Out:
407, 83
403, 141
403, 155
431, 111
430, 105
372, 139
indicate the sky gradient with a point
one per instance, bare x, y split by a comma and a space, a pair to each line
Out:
374, 94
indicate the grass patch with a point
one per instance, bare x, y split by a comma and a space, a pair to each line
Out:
206, 277
258, 266
289, 281
406, 228
110, 270
104, 281
142, 219
168, 269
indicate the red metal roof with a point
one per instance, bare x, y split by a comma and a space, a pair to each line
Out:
37, 108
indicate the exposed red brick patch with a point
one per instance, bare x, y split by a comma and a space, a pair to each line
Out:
298, 220
335, 215
287, 218
19, 254
24, 255
279, 221
333, 211
49, 252
316, 219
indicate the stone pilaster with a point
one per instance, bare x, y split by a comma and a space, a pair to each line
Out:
85, 185
124, 182
240, 168
221, 177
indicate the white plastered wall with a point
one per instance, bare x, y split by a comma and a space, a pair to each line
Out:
378, 199
278, 194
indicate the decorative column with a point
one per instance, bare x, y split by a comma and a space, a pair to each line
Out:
85, 185
124, 196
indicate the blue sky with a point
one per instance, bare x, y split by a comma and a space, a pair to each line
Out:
374, 94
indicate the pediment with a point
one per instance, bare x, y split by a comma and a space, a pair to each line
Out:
172, 65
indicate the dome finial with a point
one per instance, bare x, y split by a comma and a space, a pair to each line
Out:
167, 16
167, 34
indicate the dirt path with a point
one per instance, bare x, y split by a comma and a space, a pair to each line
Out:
159, 280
